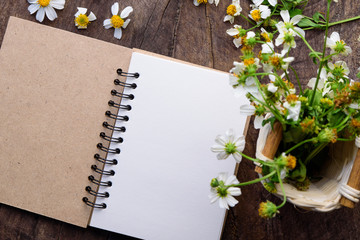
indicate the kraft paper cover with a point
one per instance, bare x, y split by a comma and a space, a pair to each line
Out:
55, 86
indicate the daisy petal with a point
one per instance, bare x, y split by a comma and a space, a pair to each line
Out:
50, 13
196, 3
115, 8
92, 16
125, 13
285, 15
33, 8
82, 10
231, 201
107, 23
57, 4
126, 23
40, 14
118, 33
223, 203
296, 19
33, 2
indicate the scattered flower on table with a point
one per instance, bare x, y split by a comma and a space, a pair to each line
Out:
224, 194
233, 10
118, 21
81, 20
198, 2
259, 12
45, 7
227, 145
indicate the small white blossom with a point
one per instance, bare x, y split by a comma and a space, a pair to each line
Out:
258, 2
288, 23
260, 13
198, 2
293, 110
337, 45
227, 145
233, 10
81, 20
235, 33
225, 195
118, 21
45, 7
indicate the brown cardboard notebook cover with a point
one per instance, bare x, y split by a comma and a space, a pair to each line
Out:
55, 86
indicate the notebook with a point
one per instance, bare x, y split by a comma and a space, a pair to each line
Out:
93, 133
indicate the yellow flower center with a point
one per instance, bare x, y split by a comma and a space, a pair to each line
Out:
291, 98
117, 21
249, 61
265, 36
275, 61
43, 3
231, 10
291, 162
256, 15
202, 1
82, 20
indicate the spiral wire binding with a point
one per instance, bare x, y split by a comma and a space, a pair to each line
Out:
110, 139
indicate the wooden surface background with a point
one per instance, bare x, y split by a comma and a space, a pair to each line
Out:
178, 29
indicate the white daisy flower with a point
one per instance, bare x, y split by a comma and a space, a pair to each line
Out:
278, 61
81, 20
288, 23
337, 45
235, 33
258, 2
322, 83
224, 194
227, 145
249, 110
286, 37
260, 13
338, 69
118, 21
45, 7
293, 110
198, 2
233, 10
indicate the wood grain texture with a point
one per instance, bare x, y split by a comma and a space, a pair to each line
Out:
178, 29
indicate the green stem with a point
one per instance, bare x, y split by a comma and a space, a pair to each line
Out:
344, 139
282, 189
324, 49
308, 45
315, 152
252, 181
344, 21
247, 19
299, 144
255, 159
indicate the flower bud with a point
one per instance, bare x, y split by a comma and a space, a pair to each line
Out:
214, 183
267, 209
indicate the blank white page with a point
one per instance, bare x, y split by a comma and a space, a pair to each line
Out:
161, 186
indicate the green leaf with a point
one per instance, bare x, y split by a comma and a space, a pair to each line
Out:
305, 22
294, 12
317, 16
336, 117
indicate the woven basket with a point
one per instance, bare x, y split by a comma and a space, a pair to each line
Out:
325, 194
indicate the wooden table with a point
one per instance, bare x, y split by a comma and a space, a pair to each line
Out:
178, 29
